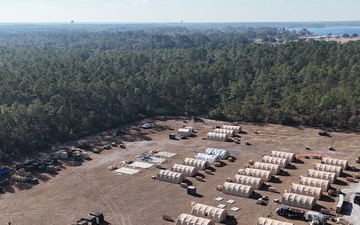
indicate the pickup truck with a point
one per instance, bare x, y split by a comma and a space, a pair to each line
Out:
357, 198
290, 212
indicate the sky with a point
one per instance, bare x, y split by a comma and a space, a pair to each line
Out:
158, 11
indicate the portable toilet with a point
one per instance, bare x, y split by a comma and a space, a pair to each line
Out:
99, 217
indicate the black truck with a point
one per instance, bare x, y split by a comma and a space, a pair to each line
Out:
357, 198
290, 212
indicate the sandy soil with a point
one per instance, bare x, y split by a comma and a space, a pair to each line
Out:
75, 191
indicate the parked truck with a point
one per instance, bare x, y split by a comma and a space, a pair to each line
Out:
290, 212
4, 171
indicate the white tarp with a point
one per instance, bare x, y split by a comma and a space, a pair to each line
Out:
126, 170
268, 221
170, 176
335, 162
315, 182
328, 168
209, 158
222, 153
274, 168
237, 189
254, 182
187, 219
301, 201
282, 162
263, 174
300, 189
209, 212
199, 164
141, 164
287, 155
166, 154
184, 169
321, 175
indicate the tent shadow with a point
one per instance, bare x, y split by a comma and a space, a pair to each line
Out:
255, 195
327, 198
200, 175
275, 180
291, 167
212, 169
188, 182
197, 195
340, 182
230, 220
298, 161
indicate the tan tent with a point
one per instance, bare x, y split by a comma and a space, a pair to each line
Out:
301, 201
184, 132
236, 129
268, 221
170, 176
286, 155
322, 175
328, 168
217, 136
209, 158
335, 162
263, 174
282, 162
184, 169
306, 190
254, 182
274, 168
198, 164
315, 182
237, 189
224, 131
187, 219
209, 212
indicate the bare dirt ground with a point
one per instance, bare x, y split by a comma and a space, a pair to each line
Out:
139, 200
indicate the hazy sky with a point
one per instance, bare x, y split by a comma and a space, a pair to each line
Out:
177, 10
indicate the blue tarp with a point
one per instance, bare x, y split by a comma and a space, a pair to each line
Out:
222, 153
4, 170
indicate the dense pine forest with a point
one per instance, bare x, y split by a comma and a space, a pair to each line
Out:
61, 84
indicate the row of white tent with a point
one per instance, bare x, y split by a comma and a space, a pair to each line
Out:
318, 180
224, 133
189, 168
202, 215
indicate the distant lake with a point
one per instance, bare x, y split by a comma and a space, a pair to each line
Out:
332, 30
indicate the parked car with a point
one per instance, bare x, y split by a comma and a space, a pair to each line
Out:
324, 133
146, 126
357, 198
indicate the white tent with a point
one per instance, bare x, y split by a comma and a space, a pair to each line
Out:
217, 136
184, 169
236, 129
209, 212
282, 162
187, 219
224, 131
209, 158
315, 182
184, 132
254, 182
222, 153
263, 174
322, 175
237, 189
286, 155
300, 189
170, 176
268, 221
198, 164
274, 168
335, 162
301, 201
328, 168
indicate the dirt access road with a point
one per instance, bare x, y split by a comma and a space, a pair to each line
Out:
137, 199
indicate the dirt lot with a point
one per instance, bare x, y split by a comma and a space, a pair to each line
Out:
75, 191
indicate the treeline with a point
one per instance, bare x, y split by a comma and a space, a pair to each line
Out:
57, 86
